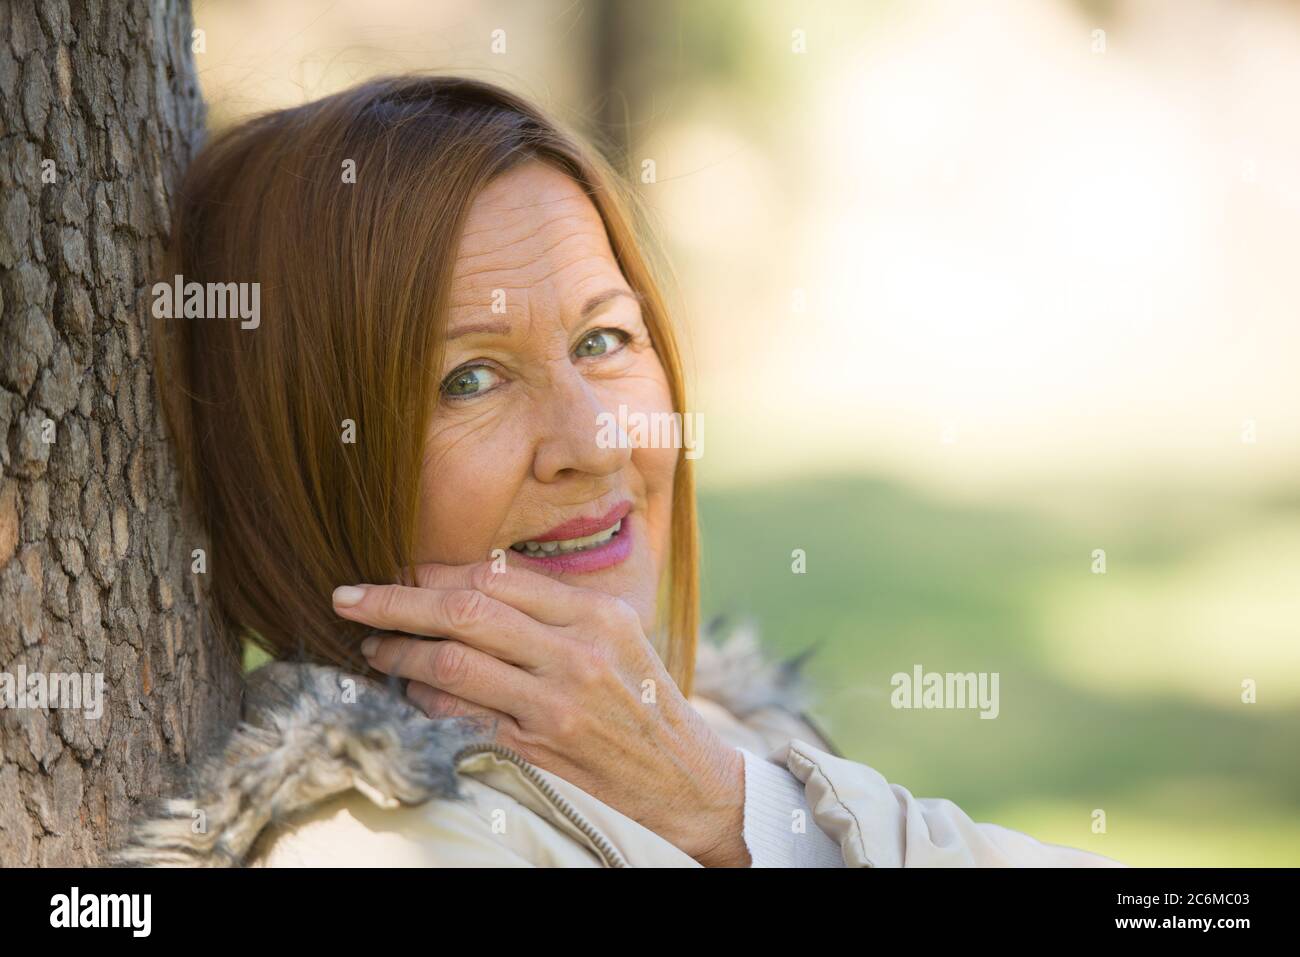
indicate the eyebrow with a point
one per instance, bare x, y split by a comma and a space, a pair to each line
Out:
502, 328
470, 328
598, 300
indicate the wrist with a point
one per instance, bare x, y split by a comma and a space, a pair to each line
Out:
718, 831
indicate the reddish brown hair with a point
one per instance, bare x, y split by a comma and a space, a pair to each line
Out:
354, 284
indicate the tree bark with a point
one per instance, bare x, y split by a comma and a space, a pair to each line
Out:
94, 552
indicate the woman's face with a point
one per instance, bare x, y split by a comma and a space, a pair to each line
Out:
544, 335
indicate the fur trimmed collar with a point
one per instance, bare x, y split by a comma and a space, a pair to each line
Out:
312, 732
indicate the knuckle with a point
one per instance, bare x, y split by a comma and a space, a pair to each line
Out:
444, 706
425, 577
618, 615
594, 667
564, 725
435, 703
449, 664
466, 608
482, 578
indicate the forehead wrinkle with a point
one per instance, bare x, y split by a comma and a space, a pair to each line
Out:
511, 242
567, 265
466, 291
504, 248
531, 208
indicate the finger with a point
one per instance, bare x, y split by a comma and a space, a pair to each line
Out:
454, 667
467, 615
437, 703
536, 595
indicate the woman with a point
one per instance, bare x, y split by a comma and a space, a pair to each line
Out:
401, 471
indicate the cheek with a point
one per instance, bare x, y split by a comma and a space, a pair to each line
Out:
657, 469
468, 484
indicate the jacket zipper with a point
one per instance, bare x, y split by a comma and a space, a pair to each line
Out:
562, 804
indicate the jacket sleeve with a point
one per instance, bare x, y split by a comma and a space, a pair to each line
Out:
878, 824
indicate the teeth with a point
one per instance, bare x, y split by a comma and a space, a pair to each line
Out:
568, 545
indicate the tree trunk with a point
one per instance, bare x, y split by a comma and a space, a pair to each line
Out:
99, 112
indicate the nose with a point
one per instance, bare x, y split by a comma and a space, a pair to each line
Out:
570, 442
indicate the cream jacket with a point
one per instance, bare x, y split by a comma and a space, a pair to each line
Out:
329, 770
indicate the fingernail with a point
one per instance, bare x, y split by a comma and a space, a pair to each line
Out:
370, 646
348, 595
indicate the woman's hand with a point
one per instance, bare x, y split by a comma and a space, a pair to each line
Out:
573, 685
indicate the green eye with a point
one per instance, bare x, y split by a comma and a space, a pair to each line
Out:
599, 343
471, 380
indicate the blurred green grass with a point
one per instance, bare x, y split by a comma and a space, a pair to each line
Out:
1186, 773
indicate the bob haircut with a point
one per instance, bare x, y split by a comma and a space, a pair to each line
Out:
353, 306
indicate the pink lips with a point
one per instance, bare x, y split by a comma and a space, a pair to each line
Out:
592, 559
580, 527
